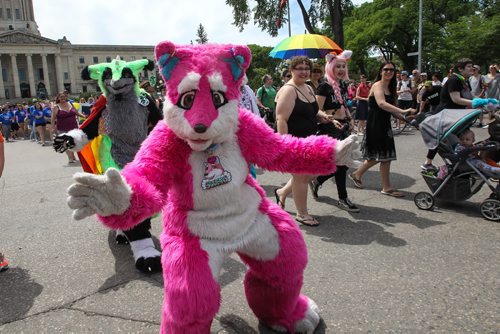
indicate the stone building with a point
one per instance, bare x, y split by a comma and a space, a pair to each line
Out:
33, 66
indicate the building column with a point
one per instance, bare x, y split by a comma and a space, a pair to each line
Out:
72, 76
59, 74
31, 75
15, 73
46, 80
2, 87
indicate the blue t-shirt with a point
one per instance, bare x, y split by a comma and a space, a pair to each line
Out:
39, 117
6, 118
20, 116
47, 112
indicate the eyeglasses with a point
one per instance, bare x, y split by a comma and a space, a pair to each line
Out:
302, 69
388, 69
316, 71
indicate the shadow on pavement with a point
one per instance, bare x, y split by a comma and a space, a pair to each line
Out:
233, 324
17, 294
231, 270
125, 270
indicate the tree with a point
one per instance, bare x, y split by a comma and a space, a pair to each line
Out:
390, 28
269, 18
261, 64
201, 35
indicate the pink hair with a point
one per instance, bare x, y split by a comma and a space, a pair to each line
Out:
331, 63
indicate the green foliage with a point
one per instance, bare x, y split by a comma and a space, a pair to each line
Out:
261, 64
201, 35
451, 29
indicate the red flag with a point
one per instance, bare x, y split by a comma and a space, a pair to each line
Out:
282, 4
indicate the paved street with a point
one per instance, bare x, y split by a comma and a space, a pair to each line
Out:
390, 268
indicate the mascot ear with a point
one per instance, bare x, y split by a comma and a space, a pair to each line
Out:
85, 73
346, 54
239, 60
329, 57
165, 56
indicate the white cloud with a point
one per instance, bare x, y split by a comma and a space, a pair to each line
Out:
127, 22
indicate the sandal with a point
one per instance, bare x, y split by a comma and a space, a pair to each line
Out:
278, 201
357, 182
308, 221
393, 193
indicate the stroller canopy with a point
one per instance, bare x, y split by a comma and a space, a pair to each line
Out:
437, 127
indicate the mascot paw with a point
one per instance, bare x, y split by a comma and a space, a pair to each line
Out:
121, 238
311, 319
105, 195
147, 257
308, 323
347, 152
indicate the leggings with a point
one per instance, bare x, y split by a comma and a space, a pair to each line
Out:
431, 154
340, 180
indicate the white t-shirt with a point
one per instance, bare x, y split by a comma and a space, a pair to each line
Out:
405, 87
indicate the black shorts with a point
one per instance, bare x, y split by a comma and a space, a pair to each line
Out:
14, 126
41, 124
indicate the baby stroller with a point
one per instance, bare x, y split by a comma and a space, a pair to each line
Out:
459, 179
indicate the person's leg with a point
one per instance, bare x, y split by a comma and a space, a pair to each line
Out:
340, 181
367, 164
431, 154
41, 132
284, 192
299, 190
71, 156
385, 169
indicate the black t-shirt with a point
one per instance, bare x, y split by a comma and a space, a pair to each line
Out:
432, 96
454, 84
331, 101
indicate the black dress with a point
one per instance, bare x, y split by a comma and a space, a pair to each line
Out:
302, 121
378, 143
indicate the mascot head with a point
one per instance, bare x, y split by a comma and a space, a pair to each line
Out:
118, 76
203, 87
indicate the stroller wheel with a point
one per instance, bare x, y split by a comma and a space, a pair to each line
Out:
424, 201
490, 209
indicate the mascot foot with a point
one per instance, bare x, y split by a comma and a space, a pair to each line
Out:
121, 238
308, 323
147, 257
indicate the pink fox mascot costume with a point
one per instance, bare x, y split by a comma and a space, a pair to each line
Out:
194, 168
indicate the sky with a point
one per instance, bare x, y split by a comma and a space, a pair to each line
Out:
140, 22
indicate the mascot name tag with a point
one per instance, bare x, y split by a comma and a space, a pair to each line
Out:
215, 175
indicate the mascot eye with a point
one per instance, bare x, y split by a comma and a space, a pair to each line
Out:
127, 73
107, 74
218, 98
186, 100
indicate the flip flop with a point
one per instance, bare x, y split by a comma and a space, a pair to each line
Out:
393, 193
304, 221
357, 182
278, 201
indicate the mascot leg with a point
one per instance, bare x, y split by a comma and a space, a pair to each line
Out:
273, 286
192, 295
147, 257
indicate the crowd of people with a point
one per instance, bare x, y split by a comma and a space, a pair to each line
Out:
315, 99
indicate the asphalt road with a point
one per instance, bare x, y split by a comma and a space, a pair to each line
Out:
390, 268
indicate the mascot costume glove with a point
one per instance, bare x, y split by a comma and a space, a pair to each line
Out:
348, 153
105, 195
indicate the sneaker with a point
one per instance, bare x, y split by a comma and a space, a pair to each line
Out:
314, 186
479, 125
347, 205
486, 126
4, 264
428, 167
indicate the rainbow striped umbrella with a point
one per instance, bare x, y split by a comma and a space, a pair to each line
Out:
311, 45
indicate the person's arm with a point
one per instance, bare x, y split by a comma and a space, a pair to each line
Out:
378, 92
324, 117
259, 99
2, 158
53, 118
284, 108
457, 99
359, 97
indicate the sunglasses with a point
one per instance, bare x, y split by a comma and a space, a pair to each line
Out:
388, 69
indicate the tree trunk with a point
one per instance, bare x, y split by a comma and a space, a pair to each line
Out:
307, 22
336, 21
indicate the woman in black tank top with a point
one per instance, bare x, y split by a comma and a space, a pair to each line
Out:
297, 114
